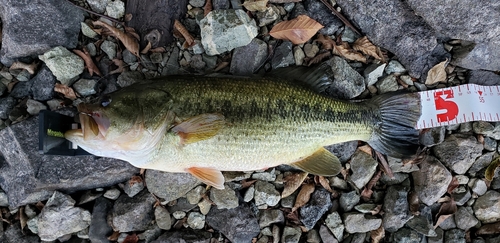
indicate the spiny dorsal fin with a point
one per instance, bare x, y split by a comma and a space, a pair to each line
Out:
317, 77
322, 162
209, 176
199, 128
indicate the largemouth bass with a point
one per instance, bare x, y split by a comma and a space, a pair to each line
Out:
205, 125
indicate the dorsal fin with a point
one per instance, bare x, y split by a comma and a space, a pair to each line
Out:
316, 77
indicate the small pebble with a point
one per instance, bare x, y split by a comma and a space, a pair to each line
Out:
179, 214
112, 194
299, 55
162, 218
34, 107
311, 50
196, 220
204, 206
115, 9
109, 48
194, 196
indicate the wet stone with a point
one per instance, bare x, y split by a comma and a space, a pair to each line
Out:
448, 223
21, 90
334, 223
267, 16
87, 31
291, 234
3, 88
397, 166
249, 193
361, 223
349, 200
283, 56
265, 176
396, 208
397, 179
495, 134
271, 216
225, 198
458, 152
266, 193
363, 166
311, 50
133, 214
205, 206
462, 198
128, 57
338, 183
318, 205
431, 181
150, 234
478, 186
184, 235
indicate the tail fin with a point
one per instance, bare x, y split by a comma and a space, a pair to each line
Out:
394, 134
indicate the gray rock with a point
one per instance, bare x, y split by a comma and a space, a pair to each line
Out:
115, 9
29, 177
283, 56
87, 31
478, 186
196, 220
431, 181
112, 194
128, 78
172, 63
21, 90
225, 198
237, 224
132, 188
482, 77
373, 72
349, 200
184, 236
397, 166
433, 136
250, 192
224, 30
392, 25
162, 218
482, 162
438, 238
265, 176
363, 166
64, 65
133, 214
360, 223
150, 234
158, 182
194, 196
489, 144
334, 223
495, 134
43, 84
407, 235
99, 230
59, 217
4, 201
310, 50
220, 4
266, 193
487, 207
317, 11
343, 151
197, 63
454, 236
313, 236
458, 152
44, 25
267, 16
326, 235
3, 88
398, 178
271, 216
461, 198
85, 87
128, 57
14, 234
396, 208
6, 105
394, 67
34, 107
23, 76
98, 5
387, 84
291, 234
318, 205
482, 127
422, 225
181, 204
448, 223
347, 83
465, 219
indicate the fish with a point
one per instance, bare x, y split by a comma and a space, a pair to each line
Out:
205, 125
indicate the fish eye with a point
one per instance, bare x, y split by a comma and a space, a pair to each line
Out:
106, 100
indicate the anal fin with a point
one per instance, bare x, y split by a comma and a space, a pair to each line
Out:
322, 162
199, 127
209, 176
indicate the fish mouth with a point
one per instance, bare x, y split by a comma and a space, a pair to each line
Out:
94, 123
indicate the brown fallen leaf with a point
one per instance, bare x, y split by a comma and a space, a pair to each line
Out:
31, 68
247, 183
365, 46
292, 183
318, 58
11, 85
23, 218
298, 30
384, 165
453, 184
324, 183
184, 32
326, 42
89, 63
303, 196
147, 48
120, 64
114, 236
128, 17
367, 192
255, 5
160, 49
437, 73
344, 50
490, 170
65, 90
208, 7
447, 210
131, 239
367, 149
284, 1
489, 229
378, 234
135, 180
128, 41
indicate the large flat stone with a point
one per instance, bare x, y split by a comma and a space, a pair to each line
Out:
32, 27
28, 177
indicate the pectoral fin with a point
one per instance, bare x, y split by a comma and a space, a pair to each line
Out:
199, 128
322, 162
209, 176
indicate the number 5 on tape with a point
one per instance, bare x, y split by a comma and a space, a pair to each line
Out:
464, 103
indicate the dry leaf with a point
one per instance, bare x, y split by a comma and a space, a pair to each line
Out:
11, 85
490, 171
414, 203
208, 7
31, 68
131, 31
447, 209
89, 63
384, 165
284, 1
184, 32
135, 180
114, 236
298, 30
367, 192
247, 183
131, 239
158, 49
326, 42
303, 196
128, 41
66, 91
22, 218
147, 48
128, 17
378, 234
318, 58
453, 184
255, 5
437, 73
221, 66
345, 50
367, 149
324, 183
489, 229
292, 183
364, 45
120, 64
